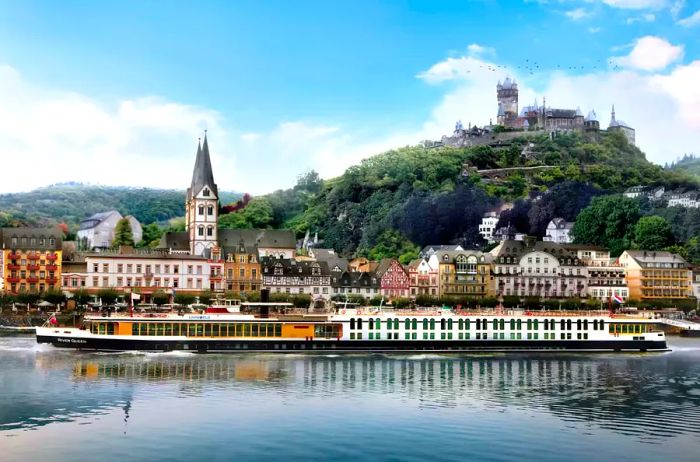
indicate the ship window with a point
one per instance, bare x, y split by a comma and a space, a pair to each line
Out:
478, 324
207, 330
546, 324
378, 324
359, 323
460, 326
503, 324
407, 325
443, 324
352, 323
536, 324
168, 329
432, 324
246, 330
160, 329
467, 325
396, 326
388, 324
529, 324
578, 324
371, 323
278, 330
449, 324
519, 322
562, 324
134, 328
568, 324
425, 323
254, 330
512, 324
585, 324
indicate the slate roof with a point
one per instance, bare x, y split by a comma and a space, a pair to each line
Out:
645, 256
519, 248
6, 235
95, 219
202, 174
330, 257
354, 279
267, 238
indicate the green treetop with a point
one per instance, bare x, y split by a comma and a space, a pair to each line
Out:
652, 233
609, 222
123, 234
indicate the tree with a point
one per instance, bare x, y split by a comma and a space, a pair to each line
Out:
54, 296
108, 296
159, 298
123, 234
652, 233
609, 222
81, 297
151, 235
205, 297
392, 244
184, 299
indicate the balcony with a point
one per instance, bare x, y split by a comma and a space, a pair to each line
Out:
32, 279
13, 267
51, 280
33, 256
13, 256
13, 279
33, 267
51, 267
52, 257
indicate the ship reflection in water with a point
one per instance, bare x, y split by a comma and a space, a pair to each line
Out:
569, 404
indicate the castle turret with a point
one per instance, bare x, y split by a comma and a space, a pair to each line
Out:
507, 96
202, 204
619, 125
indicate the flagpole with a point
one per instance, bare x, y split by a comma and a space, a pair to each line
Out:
131, 305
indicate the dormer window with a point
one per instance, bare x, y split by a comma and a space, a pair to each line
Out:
205, 192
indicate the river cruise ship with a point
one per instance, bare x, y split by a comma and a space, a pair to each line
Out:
361, 330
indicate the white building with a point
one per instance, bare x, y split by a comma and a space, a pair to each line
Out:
97, 231
687, 200
558, 230
606, 277
288, 276
151, 271
488, 226
202, 204
538, 269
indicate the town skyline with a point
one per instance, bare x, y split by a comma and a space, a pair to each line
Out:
124, 90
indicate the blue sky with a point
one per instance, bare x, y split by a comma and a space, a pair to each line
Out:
109, 92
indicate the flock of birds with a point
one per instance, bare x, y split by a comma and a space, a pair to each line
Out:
531, 67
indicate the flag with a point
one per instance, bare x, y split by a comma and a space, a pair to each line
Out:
135, 296
617, 299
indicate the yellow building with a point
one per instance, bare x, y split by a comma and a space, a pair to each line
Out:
31, 259
464, 273
242, 268
656, 275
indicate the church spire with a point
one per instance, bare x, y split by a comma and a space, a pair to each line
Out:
202, 175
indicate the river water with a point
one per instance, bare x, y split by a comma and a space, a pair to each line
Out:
74, 406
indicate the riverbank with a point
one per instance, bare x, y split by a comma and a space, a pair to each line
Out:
22, 319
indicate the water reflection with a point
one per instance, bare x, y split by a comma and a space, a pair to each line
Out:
654, 397
651, 397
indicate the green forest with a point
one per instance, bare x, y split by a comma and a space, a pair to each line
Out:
394, 203
70, 203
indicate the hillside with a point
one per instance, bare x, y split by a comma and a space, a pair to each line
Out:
70, 203
688, 164
417, 195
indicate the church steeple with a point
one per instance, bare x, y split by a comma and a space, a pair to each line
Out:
202, 204
202, 175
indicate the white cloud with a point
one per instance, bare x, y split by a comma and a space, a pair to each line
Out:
54, 136
594, 30
636, 4
691, 21
578, 14
650, 54
648, 17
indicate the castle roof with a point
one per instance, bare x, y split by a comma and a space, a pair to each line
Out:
507, 84
202, 175
592, 116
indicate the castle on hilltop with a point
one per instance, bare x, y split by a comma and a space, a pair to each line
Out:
511, 121
549, 119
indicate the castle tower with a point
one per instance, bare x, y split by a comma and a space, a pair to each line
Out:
202, 204
507, 96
